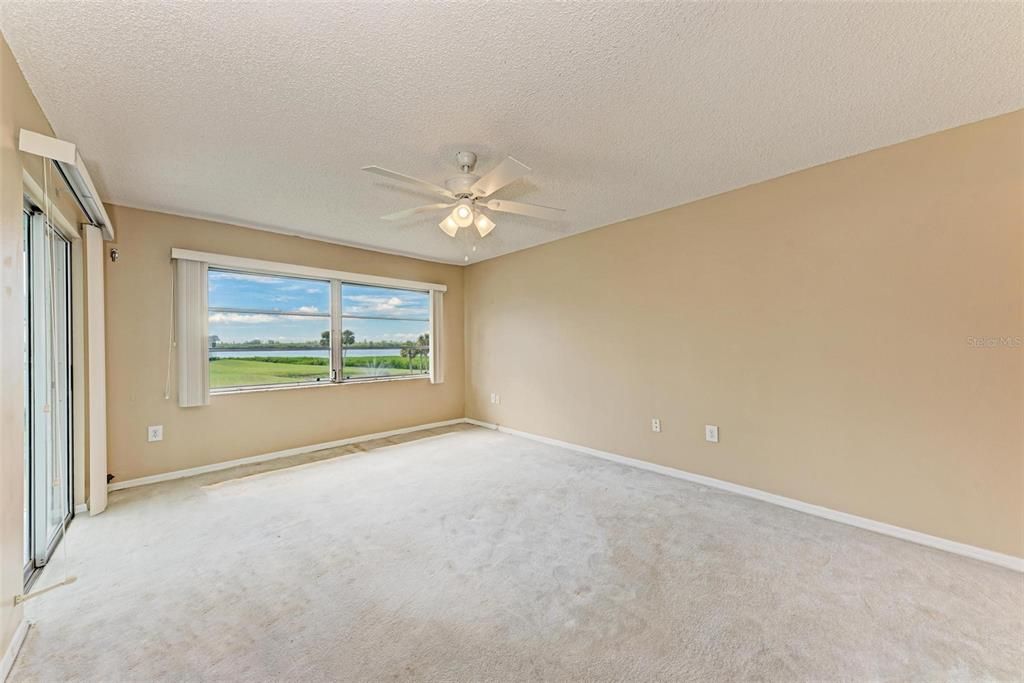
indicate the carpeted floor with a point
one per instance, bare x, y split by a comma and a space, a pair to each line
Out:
472, 555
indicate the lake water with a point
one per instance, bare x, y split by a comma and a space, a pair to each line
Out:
315, 353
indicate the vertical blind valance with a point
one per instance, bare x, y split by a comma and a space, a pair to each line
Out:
190, 324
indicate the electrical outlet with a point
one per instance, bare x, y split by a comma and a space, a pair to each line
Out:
711, 433
497, 399
655, 424
494, 397
156, 433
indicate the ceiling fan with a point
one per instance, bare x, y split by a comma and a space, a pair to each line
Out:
469, 194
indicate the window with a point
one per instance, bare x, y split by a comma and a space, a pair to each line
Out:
266, 330
385, 331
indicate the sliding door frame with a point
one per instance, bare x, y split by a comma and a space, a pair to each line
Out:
38, 249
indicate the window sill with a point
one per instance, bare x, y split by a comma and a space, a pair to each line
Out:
228, 391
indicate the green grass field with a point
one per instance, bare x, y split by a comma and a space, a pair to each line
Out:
239, 372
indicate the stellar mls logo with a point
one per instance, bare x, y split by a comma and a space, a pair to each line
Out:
995, 342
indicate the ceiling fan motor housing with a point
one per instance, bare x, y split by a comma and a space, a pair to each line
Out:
461, 185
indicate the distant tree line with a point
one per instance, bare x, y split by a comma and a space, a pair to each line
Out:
348, 340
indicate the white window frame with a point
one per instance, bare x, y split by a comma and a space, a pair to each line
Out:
338, 371
330, 375
287, 269
337, 280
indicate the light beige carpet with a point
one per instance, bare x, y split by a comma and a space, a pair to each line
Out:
474, 555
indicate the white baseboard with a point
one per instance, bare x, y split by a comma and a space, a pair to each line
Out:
263, 457
982, 554
81, 509
11, 653
974, 552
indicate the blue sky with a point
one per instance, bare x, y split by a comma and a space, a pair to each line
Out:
269, 299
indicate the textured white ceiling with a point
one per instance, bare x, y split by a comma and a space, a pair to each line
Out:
262, 114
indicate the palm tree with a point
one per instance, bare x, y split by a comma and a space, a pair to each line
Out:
419, 348
347, 338
409, 351
424, 344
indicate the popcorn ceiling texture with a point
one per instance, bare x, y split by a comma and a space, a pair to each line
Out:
479, 556
263, 114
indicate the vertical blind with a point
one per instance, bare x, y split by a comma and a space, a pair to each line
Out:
190, 322
436, 336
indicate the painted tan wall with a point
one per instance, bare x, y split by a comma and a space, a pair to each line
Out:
239, 425
18, 109
822, 320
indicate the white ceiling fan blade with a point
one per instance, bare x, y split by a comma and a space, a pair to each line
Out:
501, 175
398, 215
535, 210
422, 184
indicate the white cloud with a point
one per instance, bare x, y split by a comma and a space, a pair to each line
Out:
368, 303
260, 318
242, 318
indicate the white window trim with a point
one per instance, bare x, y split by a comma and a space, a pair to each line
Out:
337, 278
278, 268
258, 388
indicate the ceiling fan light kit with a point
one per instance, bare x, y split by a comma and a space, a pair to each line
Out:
484, 225
463, 213
463, 216
449, 226
469, 192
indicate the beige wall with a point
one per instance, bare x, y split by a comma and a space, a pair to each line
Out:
822, 320
18, 109
239, 425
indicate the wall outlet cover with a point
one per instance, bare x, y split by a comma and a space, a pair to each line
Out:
711, 433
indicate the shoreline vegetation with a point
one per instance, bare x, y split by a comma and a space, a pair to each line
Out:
301, 346
262, 370
252, 369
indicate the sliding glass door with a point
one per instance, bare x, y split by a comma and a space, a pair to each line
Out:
47, 393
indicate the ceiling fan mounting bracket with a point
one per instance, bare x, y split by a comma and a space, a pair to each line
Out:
465, 161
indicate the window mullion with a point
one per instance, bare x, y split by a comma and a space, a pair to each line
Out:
337, 355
